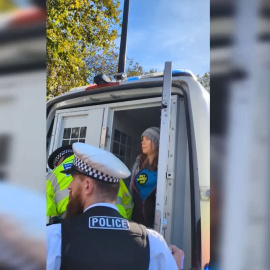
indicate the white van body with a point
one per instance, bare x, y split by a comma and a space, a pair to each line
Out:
113, 117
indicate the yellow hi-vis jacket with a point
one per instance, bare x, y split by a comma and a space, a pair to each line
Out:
58, 193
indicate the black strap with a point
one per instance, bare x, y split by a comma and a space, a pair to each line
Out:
54, 220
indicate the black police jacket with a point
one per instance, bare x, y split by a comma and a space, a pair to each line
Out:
101, 239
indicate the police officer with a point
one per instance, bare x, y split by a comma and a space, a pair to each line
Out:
57, 183
93, 235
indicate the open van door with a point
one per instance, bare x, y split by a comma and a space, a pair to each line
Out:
160, 220
177, 215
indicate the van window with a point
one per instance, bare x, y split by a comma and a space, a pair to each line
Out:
124, 147
72, 135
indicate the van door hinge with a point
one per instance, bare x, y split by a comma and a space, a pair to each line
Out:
157, 221
104, 132
205, 193
169, 175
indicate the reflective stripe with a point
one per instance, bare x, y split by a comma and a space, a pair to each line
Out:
60, 195
126, 199
57, 192
127, 194
128, 206
119, 200
53, 180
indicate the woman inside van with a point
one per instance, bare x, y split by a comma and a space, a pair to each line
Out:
144, 179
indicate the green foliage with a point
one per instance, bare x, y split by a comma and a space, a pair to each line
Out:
74, 27
102, 62
107, 63
152, 70
205, 80
133, 68
6, 5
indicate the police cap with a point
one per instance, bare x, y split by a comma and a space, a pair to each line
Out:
97, 163
57, 154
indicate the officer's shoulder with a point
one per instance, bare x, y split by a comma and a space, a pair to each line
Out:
138, 229
157, 242
53, 230
153, 234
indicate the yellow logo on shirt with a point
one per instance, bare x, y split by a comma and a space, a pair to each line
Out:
142, 179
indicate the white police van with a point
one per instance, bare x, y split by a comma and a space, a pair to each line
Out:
113, 115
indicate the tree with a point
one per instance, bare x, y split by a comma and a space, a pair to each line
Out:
74, 28
102, 62
205, 80
107, 63
7, 5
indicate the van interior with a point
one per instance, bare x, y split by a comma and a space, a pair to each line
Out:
128, 125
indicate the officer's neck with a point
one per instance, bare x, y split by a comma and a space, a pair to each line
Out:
97, 199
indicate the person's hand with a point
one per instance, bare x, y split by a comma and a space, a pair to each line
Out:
178, 255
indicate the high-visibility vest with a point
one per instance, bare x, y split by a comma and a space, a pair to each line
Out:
58, 193
124, 201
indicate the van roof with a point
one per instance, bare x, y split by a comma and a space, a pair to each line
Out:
144, 81
175, 72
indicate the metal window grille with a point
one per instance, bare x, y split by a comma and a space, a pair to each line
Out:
125, 147
74, 134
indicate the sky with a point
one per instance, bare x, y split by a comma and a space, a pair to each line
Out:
169, 30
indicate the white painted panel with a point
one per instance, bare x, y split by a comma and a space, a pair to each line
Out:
94, 126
